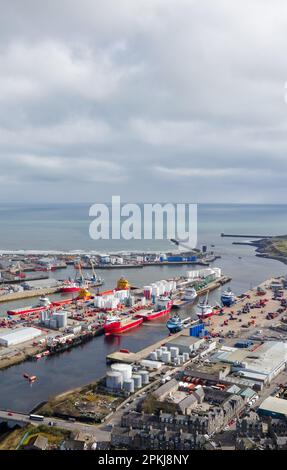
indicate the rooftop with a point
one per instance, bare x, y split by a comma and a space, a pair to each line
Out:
263, 360
20, 333
274, 405
184, 341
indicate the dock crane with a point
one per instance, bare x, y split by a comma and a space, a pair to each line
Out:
81, 279
95, 279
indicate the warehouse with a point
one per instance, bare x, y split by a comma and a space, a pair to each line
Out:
187, 404
19, 336
275, 407
262, 364
186, 344
166, 389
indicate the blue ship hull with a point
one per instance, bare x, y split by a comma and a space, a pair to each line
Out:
174, 326
227, 301
175, 329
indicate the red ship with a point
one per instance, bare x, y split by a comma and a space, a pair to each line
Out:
115, 324
163, 308
70, 287
43, 304
25, 310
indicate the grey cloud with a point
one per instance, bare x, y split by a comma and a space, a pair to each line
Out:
134, 98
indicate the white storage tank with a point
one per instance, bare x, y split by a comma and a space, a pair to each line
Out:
185, 357
45, 316
53, 324
158, 353
174, 351
166, 357
145, 376
129, 385
153, 356
180, 358
114, 380
137, 380
124, 369
61, 319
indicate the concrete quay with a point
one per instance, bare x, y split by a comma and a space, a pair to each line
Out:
132, 357
28, 294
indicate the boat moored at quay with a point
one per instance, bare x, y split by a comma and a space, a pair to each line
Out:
163, 307
115, 324
228, 298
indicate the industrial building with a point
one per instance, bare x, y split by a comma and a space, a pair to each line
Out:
209, 371
274, 407
261, 364
186, 344
165, 389
18, 336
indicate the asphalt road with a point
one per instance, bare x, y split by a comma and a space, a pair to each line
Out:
95, 431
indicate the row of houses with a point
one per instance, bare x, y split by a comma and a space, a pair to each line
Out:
176, 431
122, 437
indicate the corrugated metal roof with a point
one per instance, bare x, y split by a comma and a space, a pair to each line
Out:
247, 393
253, 375
274, 405
233, 389
20, 334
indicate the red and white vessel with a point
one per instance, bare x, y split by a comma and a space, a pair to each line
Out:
43, 304
70, 287
115, 324
205, 310
163, 307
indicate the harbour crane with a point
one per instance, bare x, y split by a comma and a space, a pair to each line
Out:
94, 278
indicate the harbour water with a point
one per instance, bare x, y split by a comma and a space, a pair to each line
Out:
66, 228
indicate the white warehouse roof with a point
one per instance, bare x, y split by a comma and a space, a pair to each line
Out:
264, 360
274, 405
18, 336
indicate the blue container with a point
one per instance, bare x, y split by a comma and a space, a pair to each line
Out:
243, 344
196, 330
173, 259
191, 258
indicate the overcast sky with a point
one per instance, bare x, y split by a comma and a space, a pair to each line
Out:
154, 100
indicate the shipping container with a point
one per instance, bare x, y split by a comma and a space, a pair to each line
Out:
196, 330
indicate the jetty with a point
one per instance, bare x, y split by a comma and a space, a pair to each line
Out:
28, 294
131, 357
237, 235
